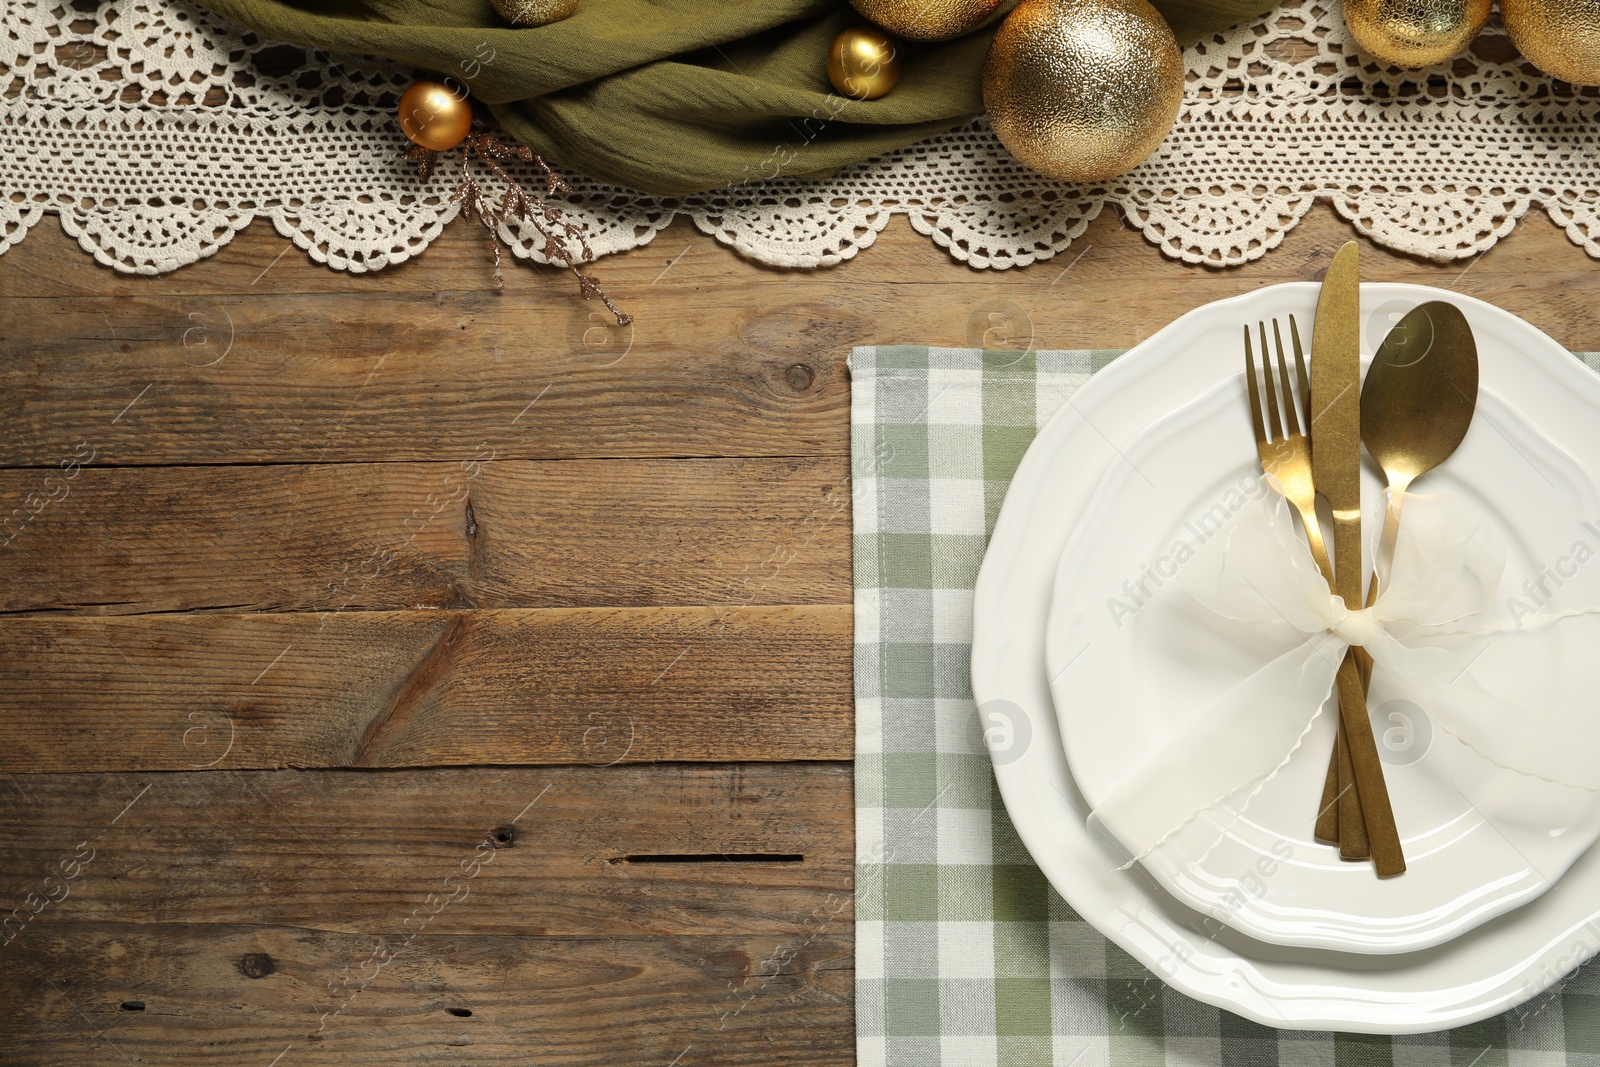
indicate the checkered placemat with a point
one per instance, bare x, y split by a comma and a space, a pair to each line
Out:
964, 954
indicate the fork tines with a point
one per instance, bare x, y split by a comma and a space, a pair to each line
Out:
1293, 416
1254, 390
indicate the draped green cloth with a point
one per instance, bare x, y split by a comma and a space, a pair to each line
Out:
674, 96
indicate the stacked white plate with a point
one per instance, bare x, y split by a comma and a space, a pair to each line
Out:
1085, 663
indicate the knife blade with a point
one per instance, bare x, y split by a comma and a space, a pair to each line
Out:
1336, 414
1336, 470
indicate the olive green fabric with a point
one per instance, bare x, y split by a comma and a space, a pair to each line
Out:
674, 96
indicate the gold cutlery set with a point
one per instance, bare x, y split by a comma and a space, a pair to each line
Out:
1412, 412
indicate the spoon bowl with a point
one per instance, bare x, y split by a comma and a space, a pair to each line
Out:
1420, 393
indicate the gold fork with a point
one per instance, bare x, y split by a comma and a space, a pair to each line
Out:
1286, 456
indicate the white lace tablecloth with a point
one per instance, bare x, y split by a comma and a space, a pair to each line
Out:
156, 132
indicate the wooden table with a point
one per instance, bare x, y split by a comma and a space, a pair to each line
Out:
394, 671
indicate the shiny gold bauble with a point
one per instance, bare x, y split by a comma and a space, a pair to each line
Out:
927, 20
1083, 90
1415, 33
534, 12
1560, 37
434, 116
863, 63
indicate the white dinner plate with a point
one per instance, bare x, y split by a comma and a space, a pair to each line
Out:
1132, 657
1488, 970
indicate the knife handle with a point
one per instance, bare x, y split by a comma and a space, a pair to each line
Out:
1353, 842
1339, 819
1329, 815
1382, 835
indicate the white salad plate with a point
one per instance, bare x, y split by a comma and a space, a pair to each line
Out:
1132, 657
1484, 971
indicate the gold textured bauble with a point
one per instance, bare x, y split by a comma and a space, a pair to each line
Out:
927, 20
534, 12
433, 116
863, 63
1083, 90
1560, 37
1415, 33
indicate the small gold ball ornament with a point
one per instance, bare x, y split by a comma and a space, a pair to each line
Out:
525, 13
433, 116
927, 20
1560, 37
1083, 90
863, 63
1415, 33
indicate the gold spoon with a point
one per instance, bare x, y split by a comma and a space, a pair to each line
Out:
1416, 406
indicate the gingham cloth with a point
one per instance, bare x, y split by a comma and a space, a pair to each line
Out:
964, 954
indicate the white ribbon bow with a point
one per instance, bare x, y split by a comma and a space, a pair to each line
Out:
1448, 567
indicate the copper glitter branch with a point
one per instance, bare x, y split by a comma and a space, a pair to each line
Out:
559, 232
424, 158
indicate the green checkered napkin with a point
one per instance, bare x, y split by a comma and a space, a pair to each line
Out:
964, 954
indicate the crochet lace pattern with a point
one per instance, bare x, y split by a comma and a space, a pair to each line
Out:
155, 132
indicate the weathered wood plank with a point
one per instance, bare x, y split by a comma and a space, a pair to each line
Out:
660, 850
426, 362
497, 533
389, 376
261, 994
419, 688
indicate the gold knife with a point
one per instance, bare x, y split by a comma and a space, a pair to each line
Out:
1336, 469
1339, 818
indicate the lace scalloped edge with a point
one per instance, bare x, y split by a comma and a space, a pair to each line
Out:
924, 220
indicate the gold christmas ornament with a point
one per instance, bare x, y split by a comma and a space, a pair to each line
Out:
534, 12
1083, 90
432, 115
863, 63
927, 20
1560, 37
1415, 33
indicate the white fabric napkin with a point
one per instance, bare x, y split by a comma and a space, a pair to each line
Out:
1449, 563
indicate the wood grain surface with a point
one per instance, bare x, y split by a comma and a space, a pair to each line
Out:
553, 915
419, 688
108, 993
392, 536
664, 849
311, 582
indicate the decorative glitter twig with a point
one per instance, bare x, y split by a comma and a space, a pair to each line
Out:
559, 232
